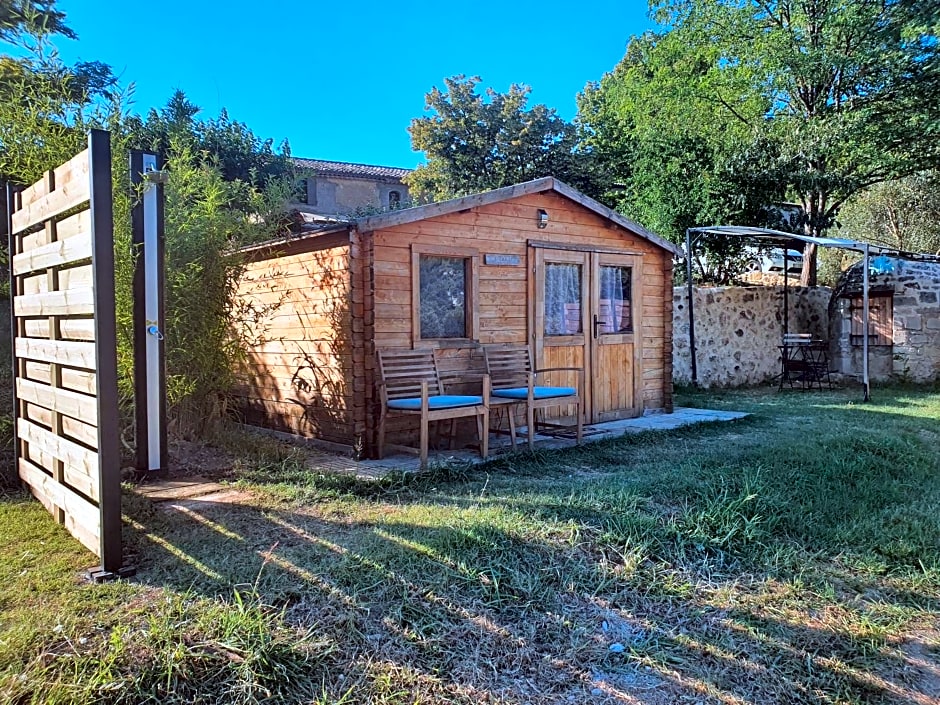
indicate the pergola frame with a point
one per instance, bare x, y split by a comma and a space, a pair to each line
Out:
777, 238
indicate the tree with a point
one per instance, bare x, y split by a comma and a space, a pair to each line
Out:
46, 106
822, 97
46, 109
32, 17
903, 213
651, 126
662, 153
226, 190
230, 145
475, 142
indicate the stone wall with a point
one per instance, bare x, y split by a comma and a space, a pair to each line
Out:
738, 331
915, 354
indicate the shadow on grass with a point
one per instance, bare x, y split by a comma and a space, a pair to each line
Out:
786, 557
501, 600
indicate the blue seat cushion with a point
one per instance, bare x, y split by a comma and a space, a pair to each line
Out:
445, 401
538, 392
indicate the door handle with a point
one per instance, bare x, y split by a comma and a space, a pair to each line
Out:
598, 322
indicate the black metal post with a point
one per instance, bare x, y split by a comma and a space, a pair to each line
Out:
866, 312
7, 220
109, 449
688, 273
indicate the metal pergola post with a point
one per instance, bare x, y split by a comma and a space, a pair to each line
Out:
865, 381
786, 293
688, 272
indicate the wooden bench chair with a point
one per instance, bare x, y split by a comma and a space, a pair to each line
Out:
512, 377
410, 384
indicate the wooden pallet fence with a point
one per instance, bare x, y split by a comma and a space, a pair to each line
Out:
65, 348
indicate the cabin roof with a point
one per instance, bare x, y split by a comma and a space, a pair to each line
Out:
547, 183
432, 210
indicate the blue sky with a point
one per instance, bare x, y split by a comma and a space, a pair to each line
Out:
342, 80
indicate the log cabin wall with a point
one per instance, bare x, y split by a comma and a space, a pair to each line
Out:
319, 307
296, 306
503, 293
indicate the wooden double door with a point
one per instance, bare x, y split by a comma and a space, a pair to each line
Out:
585, 312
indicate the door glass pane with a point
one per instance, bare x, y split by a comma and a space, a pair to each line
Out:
442, 297
563, 299
614, 307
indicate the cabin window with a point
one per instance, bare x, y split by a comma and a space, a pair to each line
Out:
563, 302
614, 306
443, 296
444, 292
880, 319
394, 200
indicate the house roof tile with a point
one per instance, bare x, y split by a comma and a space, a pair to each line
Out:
351, 170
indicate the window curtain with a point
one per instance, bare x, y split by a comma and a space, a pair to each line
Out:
562, 299
614, 305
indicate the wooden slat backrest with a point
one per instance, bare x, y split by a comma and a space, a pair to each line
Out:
403, 371
508, 366
797, 338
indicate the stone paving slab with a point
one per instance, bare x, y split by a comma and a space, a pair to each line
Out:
681, 416
165, 489
199, 488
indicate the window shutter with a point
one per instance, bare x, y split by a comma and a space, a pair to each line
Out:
880, 317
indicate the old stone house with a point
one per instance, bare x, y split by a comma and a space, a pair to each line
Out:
904, 322
338, 189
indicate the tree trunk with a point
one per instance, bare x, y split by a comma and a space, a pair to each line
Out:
814, 208
808, 273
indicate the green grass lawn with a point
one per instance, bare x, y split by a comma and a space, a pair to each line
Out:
790, 557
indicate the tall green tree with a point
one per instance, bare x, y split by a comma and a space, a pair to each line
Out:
821, 97
666, 158
227, 188
902, 213
46, 109
239, 153
478, 141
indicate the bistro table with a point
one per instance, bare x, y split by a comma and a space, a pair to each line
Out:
805, 362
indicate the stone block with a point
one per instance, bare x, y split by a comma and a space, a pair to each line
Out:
928, 297
933, 324
914, 322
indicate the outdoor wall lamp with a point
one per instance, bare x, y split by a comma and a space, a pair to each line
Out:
542, 219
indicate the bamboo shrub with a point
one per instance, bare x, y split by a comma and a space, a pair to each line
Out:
207, 220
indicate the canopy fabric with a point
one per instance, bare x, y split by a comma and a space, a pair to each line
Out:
778, 238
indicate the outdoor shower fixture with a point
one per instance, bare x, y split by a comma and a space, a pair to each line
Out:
152, 175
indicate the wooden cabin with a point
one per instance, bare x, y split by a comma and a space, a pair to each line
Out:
536, 263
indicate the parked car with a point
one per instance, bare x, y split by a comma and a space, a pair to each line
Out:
771, 260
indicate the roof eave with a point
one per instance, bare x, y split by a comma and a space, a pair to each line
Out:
621, 220
303, 237
546, 183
